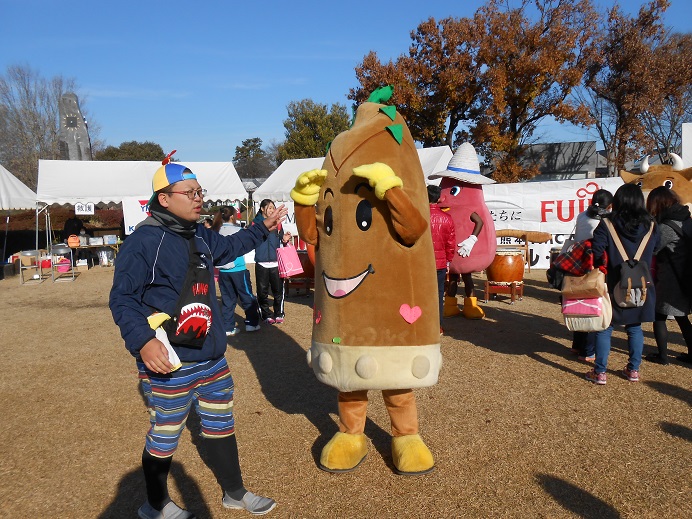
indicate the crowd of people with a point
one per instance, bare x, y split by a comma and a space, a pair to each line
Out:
234, 278
658, 232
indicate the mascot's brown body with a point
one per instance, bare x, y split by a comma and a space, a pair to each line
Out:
376, 318
674, 176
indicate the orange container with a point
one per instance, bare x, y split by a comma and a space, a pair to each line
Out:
507, 267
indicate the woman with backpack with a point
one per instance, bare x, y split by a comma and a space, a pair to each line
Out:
629, 230
672, 255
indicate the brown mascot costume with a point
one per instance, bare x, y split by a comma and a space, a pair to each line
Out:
376, 315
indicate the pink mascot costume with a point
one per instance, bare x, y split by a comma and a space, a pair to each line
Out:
462, 196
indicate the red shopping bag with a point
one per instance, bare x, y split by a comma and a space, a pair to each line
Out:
289, 262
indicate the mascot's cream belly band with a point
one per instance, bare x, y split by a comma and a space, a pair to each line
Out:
354, 368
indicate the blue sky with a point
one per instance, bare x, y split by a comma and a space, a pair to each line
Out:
201, 77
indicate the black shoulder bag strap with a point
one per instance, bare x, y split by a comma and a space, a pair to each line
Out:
191, 319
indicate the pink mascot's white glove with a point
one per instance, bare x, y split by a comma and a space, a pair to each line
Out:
466, 246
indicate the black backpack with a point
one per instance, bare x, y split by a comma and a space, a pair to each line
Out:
685, 281
635, 277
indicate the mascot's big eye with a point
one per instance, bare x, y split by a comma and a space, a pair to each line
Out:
328, 222
364, 215
455, 191
639, 183
668, 184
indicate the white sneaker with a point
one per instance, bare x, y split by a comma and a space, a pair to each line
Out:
254, 504
233, 332
171, 510
250, 328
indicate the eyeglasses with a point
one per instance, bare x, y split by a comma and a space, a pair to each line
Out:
192, 193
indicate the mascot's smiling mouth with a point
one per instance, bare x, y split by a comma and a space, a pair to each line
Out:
338, 288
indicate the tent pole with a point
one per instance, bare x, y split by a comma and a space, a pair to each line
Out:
37, 213
4, 245
47, 217
49, 231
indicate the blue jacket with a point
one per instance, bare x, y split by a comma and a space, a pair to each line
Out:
149, 272
266, 251
238, 264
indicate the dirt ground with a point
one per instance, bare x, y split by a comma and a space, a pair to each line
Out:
515, 429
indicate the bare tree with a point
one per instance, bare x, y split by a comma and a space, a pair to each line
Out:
626, 80
271, 149
665, 128
29, 119
250, 160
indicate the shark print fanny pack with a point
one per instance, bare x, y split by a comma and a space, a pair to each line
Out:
191, 320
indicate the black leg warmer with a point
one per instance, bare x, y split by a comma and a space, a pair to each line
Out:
224, 463
156, 476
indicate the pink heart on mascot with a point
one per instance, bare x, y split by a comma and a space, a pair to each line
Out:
409, 314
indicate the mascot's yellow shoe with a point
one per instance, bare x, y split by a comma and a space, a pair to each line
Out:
411, 456
471, 309
450, 308
344, 452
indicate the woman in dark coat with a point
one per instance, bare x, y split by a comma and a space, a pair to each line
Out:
673, 219
632, 223
267, 268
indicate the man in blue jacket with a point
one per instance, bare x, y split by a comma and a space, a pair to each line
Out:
164, 271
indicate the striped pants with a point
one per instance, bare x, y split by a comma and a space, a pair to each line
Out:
208, 384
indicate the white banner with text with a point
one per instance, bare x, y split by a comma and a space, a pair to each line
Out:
543, 206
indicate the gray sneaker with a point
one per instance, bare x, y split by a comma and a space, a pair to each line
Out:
254, 504
170, 511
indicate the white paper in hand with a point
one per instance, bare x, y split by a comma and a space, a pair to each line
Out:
172, 355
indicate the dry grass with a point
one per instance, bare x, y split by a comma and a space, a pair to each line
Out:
515, 430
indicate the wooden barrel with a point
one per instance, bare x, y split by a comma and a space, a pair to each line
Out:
507, 267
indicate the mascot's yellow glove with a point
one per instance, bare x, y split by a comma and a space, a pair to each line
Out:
308, 184
380, 176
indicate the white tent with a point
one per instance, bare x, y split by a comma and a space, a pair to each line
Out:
72, 181
434, 159
13, 193
278, 186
